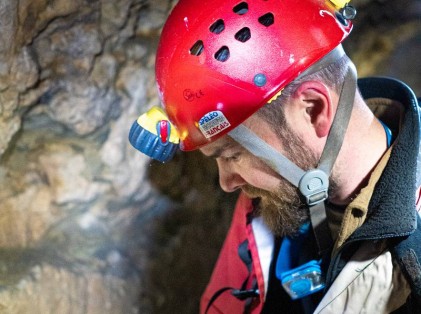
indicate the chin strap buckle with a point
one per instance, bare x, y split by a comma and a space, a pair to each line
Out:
314, 186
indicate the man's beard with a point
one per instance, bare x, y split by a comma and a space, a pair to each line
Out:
283, 211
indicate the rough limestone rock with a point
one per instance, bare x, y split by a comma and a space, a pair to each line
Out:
77, 208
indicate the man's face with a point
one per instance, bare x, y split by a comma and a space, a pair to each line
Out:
280, 204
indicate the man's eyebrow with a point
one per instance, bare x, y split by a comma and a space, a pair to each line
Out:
218, 152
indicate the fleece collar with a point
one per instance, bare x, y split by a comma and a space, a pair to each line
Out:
355, 213
391, 209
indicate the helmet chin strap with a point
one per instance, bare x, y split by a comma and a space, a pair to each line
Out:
314, 183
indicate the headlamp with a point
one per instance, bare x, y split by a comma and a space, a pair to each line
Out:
154, 135
302, 281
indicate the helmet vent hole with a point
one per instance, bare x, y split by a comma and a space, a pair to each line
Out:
241, 8
197, 48
217, 27
267, 20
222, 54
243, 35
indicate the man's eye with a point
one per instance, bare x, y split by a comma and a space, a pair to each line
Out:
234, 157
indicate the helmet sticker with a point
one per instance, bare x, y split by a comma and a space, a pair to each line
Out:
213, 123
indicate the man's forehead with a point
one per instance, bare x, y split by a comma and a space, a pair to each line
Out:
215, 149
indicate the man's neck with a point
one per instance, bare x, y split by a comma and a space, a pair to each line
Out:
364, 145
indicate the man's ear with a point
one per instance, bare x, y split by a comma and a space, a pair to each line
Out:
315, 100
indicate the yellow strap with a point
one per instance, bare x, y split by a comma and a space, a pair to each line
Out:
339, 4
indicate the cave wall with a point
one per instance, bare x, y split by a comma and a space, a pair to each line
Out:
76, 207
88, 224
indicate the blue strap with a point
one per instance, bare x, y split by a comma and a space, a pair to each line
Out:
389, 135
297, 280
290, 249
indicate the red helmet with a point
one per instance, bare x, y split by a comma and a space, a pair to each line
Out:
219, 61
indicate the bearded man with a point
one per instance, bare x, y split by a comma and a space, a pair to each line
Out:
329, 171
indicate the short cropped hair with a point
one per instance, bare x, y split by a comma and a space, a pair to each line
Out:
333, 76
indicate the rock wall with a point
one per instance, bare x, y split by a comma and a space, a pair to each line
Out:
76, 206
87, 224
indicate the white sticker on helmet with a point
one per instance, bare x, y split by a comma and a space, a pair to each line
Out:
212, 123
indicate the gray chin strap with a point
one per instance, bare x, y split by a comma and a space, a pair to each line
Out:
314, 183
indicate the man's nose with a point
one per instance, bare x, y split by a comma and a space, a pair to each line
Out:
229, 180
